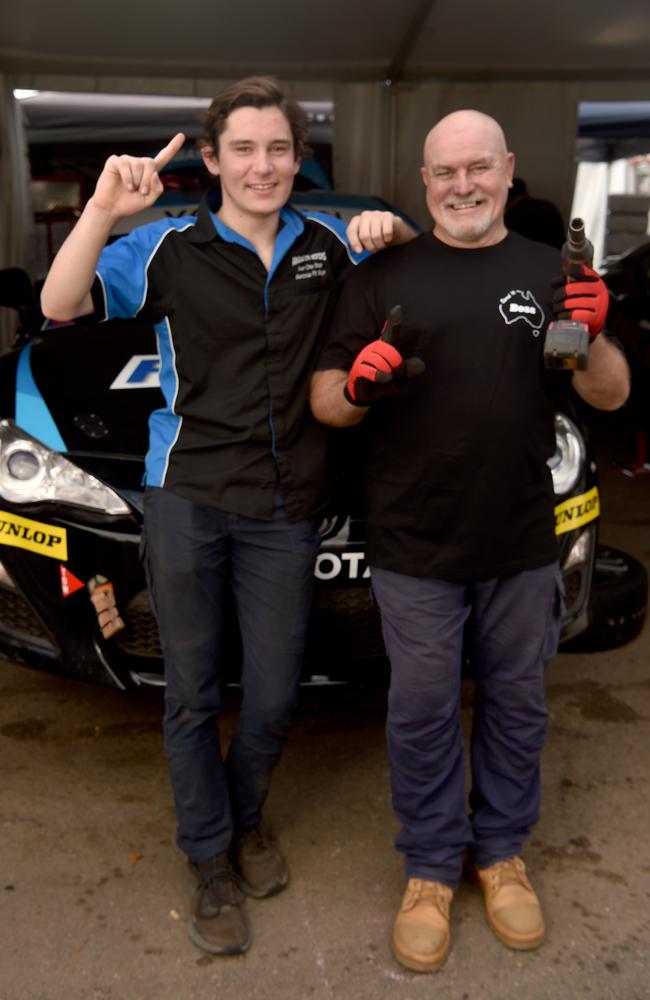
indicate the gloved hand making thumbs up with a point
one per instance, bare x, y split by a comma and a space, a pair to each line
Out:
379, 369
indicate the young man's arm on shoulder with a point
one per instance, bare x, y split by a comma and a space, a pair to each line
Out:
374, 230
605, 383
126, 185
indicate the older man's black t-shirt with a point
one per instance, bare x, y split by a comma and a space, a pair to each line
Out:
457, 481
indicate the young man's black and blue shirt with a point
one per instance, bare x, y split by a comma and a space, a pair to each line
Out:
237, 346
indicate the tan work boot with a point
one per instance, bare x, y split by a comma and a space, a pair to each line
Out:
513, 909
421, 931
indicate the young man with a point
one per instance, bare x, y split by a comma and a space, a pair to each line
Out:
460, 519
236, 463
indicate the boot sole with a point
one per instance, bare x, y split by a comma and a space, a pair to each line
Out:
419, 964
517, 944
212, 949
273, 890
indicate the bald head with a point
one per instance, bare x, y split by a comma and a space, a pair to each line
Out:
467, 172
462, 126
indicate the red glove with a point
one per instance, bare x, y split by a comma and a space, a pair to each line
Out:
582, 296
379, 369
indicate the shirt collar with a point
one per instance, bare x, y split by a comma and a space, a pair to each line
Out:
209, 227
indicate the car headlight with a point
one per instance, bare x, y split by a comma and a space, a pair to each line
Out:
567, 463
580, 551
31, 473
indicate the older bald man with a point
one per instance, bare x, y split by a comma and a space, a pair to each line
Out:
460, 519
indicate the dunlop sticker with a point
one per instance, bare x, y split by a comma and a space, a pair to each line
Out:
45, 539
577, 511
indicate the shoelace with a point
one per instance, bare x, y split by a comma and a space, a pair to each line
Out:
434, 892
223, 885
510, 872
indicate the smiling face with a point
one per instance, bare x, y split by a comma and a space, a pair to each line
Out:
467, 173
256, 164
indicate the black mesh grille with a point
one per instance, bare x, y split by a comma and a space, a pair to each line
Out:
344, 623
19, 621
140, 637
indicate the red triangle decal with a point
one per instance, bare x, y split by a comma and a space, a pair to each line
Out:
69, 582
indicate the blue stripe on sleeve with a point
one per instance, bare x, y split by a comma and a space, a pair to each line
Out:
123, 265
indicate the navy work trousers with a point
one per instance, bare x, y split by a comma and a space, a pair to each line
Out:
516, 622
193, 554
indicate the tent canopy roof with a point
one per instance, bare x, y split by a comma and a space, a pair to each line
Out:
337, 40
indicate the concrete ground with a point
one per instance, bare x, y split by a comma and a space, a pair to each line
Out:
93, 893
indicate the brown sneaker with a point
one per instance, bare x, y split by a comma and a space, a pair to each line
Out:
261, 868
513, 909
218, 922
421, 931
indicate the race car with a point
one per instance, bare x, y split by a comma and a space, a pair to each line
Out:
74, 405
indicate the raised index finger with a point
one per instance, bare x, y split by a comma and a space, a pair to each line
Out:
392, 325
168, 152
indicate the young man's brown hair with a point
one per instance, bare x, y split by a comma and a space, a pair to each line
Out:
253, 92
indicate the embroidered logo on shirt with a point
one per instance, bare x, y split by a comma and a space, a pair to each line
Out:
516, 305
310, 265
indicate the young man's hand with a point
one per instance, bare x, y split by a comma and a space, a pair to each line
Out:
128, 184
374, 230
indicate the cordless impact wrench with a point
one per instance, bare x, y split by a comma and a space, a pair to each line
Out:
566, 345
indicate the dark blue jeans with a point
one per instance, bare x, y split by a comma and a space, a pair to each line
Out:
516, 632
193, 554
